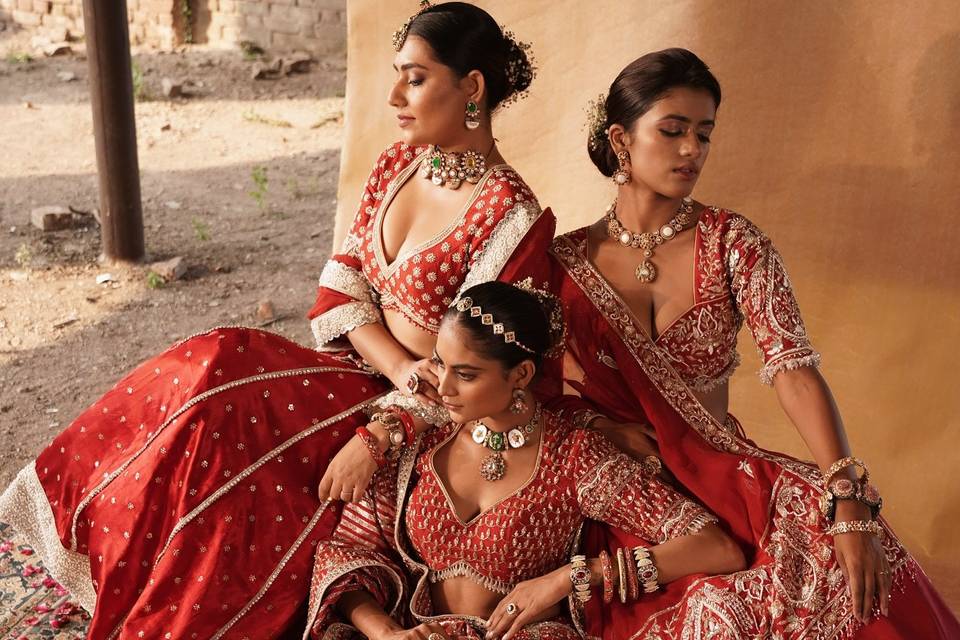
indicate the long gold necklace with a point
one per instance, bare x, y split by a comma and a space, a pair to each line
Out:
453, 168
494, 467
648, 241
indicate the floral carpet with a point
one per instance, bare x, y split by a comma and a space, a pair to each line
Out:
33, 605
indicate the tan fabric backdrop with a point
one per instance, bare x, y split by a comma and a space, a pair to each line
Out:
839, 135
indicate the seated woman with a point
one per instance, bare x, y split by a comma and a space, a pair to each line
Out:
497, 496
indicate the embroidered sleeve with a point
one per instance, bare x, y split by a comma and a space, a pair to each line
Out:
764, 295
359, 556
614, 488
345, 299
511, 234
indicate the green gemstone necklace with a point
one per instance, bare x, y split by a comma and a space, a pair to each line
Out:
494, 467
453, 168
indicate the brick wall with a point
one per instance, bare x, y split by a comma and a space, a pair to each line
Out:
316, 26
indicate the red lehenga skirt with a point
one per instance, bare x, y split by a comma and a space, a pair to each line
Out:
183, 503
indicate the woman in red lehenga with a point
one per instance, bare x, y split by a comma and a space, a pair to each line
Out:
440, 537
655, 294
184, 503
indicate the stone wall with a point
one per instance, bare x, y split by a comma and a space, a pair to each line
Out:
315, 26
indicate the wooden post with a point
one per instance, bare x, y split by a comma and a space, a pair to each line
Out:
114, 129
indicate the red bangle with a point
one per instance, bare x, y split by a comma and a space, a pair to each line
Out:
606, 568
367, 438
408, 425
633, 582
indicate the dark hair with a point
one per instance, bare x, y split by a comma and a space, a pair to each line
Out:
639, 86
466, 38
514, 308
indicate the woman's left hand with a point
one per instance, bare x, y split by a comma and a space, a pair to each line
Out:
863, 563
530, 599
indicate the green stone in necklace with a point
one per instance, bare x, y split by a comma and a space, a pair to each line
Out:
494, 467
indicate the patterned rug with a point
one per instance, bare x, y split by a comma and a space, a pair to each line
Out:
32, 604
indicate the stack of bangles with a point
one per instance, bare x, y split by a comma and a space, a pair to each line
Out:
846, 489
636, 574
401, 431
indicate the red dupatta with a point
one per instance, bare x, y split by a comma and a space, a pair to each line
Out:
767, 501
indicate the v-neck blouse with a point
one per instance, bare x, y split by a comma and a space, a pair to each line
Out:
422, 282
579, 474
739, 276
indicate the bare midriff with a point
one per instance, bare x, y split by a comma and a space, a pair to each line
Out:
463, 596
418, 342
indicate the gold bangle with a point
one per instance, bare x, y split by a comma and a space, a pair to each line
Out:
861, 526
622, 574
646, 571
843, 463
580, 578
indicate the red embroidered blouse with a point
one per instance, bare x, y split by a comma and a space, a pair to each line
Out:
739, 276
420, 283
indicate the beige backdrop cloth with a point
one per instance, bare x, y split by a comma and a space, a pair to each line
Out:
839, 135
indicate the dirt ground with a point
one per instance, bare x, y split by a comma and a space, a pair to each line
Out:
238, 178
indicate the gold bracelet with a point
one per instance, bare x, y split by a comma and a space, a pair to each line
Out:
580, 578
622, 573
843, 463
861, 526
646, 570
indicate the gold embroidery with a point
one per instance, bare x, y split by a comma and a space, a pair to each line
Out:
348, 281
342, 320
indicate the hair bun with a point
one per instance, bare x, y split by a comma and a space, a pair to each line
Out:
520, 68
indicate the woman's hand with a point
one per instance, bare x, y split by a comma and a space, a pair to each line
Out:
633, 438
349, 473
426, 631
530, 598
863, 562
429, 382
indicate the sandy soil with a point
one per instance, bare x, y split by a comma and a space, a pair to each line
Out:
64, 338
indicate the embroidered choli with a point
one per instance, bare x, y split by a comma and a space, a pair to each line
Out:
739, 277
579, 474
357, 283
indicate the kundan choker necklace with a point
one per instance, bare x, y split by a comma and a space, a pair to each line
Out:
494, 466
452, 168
646, 272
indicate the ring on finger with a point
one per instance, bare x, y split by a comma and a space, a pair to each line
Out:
512, 609
413, 383
435, 636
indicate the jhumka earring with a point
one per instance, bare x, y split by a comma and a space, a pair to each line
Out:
622, 175
472, 117
519, 404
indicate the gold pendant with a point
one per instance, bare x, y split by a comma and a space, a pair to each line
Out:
646, 272
493, 467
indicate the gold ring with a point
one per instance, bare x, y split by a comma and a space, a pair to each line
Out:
435, 636
512, 609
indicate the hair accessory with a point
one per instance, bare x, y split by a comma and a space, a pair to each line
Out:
521, 68
400, 35
554, 308
452, 168
862, 526
465, 305
597, 121
494, 467
647, 572
580, 578
607, 570
646, 271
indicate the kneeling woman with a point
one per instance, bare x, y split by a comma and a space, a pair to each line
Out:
439, 544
